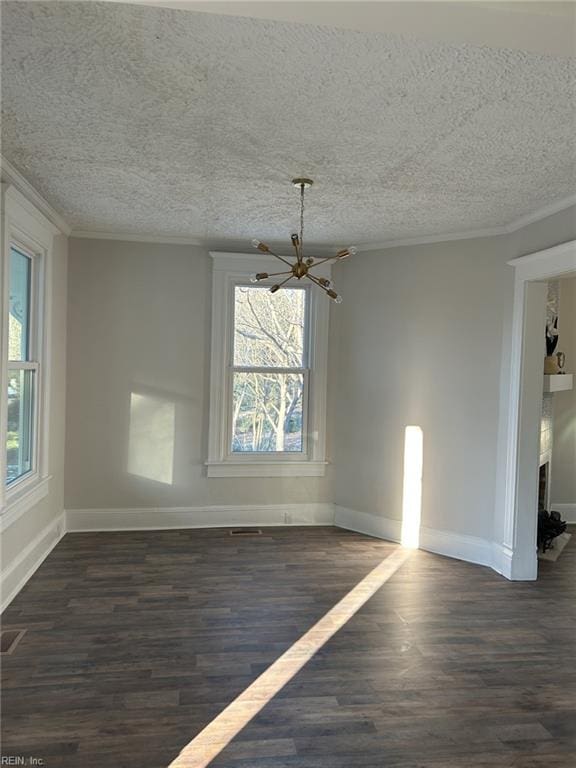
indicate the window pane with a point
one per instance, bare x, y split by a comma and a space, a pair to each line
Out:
269, 327
19, 318
20, 423
267, 412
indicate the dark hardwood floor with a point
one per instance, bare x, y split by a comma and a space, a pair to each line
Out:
135, 641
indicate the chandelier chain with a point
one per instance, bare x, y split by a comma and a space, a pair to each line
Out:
301, 220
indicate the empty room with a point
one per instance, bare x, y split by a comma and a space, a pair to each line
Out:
288, 397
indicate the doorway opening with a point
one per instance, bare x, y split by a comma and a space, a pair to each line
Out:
518, 552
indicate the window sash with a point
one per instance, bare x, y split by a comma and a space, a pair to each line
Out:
259, 456
244, 456
262, 284
31, 438
30, 364
32, 341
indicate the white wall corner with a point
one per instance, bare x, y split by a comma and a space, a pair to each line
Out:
472, 549
502, 557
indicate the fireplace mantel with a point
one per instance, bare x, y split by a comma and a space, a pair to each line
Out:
558, 382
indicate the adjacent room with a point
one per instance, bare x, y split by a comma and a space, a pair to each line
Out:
287, 403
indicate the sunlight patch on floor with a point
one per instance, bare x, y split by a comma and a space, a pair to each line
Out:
204, 747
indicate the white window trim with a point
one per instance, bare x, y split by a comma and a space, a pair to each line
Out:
230, 269
25, 226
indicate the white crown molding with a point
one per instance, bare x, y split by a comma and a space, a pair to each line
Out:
471, 234
88, 234
401, 242
539, 27
14, 177
541, 213
442, 237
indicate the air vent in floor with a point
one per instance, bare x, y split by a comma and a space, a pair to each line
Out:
245, 532
9, 639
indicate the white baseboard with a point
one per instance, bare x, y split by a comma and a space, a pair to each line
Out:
473, 549
155, 519
459, 546
371, 525
40, 547
567, 511
502, 560
456, 545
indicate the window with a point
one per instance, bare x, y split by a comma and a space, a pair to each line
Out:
268, 389
270, 371
22, 366
25, 336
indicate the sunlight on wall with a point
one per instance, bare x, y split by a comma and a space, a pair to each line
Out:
219, 733
151, 440
412, 488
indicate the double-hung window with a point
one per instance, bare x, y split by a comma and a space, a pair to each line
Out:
24, 349
270, 371
268, 385
23, 366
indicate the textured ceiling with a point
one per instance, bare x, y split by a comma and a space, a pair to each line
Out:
155, 121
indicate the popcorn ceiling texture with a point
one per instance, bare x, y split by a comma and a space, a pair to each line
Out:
156, 121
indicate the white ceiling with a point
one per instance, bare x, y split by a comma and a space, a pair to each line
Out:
161, 122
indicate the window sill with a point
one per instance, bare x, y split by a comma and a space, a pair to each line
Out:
20, 500
266, 469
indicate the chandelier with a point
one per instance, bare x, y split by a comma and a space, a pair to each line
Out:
302, 267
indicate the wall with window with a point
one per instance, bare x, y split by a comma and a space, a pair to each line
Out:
139, 323
34, 264
423, 341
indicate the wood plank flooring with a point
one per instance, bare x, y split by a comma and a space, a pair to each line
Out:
136, 640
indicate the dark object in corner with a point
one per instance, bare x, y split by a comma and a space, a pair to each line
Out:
550, 525
551, 336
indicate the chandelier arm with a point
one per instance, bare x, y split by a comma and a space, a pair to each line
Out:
328, 289
280, 258
323, 261
277, 274
279, 285
317, 282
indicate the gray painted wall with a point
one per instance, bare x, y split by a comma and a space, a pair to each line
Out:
424, 339
139, 325
421, 338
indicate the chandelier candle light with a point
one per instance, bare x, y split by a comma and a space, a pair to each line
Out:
301, 267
